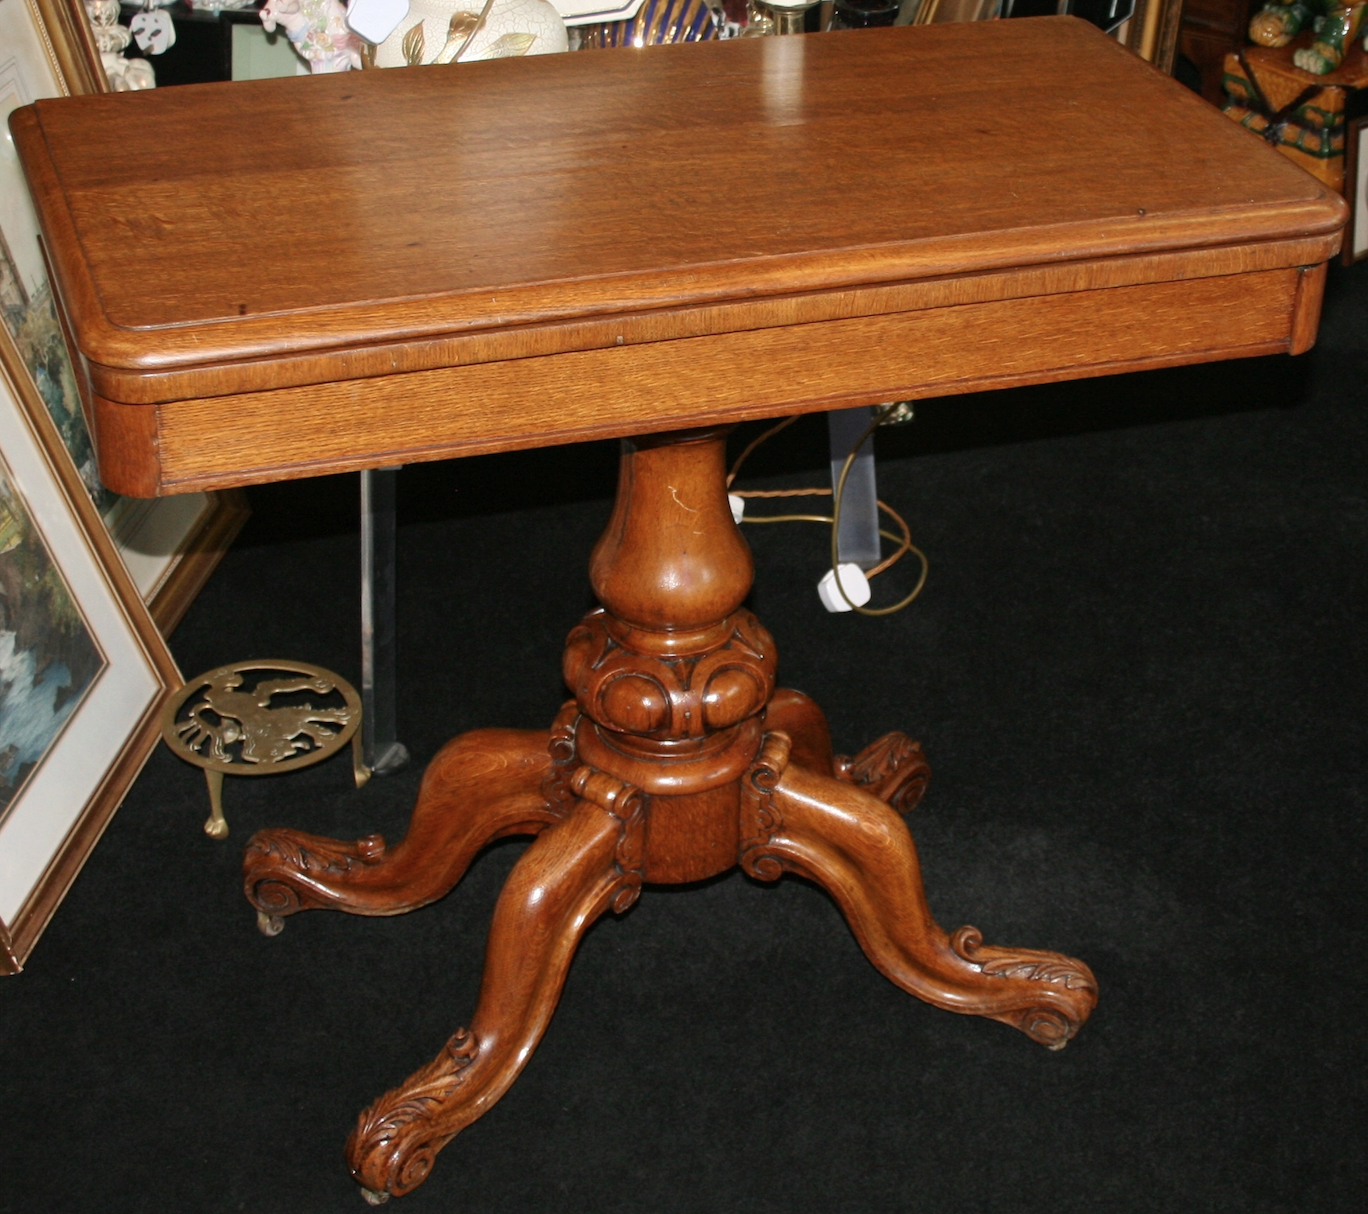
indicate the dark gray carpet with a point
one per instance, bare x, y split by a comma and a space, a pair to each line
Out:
1138, 671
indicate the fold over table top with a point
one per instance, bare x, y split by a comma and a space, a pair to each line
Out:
421, 262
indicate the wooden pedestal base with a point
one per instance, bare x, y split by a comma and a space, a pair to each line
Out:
676, 760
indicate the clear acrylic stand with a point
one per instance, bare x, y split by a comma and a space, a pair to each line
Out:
381, 749
857, 542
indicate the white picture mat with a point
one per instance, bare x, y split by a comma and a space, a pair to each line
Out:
150, 533
58, 791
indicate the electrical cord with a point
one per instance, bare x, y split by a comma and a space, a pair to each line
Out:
904, 541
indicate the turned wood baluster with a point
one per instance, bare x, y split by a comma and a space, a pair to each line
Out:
671, 558
672, 674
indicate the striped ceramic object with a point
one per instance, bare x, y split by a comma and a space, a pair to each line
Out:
657, 21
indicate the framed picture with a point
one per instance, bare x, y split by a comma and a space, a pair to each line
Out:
83, 668
1152, 32
170, 545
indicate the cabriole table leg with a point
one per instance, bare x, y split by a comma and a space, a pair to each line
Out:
677, 759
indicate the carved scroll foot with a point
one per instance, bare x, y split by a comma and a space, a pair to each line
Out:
861, 852
892, 769
560, 885
481, 786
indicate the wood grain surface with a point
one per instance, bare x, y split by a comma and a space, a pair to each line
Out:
373, 253
756, 373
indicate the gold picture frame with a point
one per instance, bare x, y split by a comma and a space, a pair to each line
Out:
84, 668
1152, 32
170, 545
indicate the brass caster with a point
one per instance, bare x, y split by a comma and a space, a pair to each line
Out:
272, 925
372, 1197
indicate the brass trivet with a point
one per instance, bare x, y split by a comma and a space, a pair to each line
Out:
261, 718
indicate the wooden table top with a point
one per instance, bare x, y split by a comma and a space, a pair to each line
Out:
283, 245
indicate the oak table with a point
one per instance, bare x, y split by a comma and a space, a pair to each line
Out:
289, 277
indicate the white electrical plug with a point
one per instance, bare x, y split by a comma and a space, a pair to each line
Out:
738, 507
853, 582
376, 20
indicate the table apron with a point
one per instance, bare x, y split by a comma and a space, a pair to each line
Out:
313, 429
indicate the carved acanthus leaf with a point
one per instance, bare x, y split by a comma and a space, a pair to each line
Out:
396, 1139
892, 768
1033, 965
280, 867
669, 695
314, 854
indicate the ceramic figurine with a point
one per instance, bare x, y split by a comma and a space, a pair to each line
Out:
318, 30
1334, 32
111, 40
137, 74
1278, 24
1336, 26
447, 31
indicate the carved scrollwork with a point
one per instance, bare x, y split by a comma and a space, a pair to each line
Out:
1051, 1022
396, 1139
892, 769
627, 804
760, 817
281, 868
564, 759
669, 695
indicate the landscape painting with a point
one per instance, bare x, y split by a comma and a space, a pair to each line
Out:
48, 657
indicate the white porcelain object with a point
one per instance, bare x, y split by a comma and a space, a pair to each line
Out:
498, 37
375, 20
111, 40
137, 74
153, 32
591, 12
853, 582
317, 29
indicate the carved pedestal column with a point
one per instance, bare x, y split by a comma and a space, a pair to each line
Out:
676, 760
672, 675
